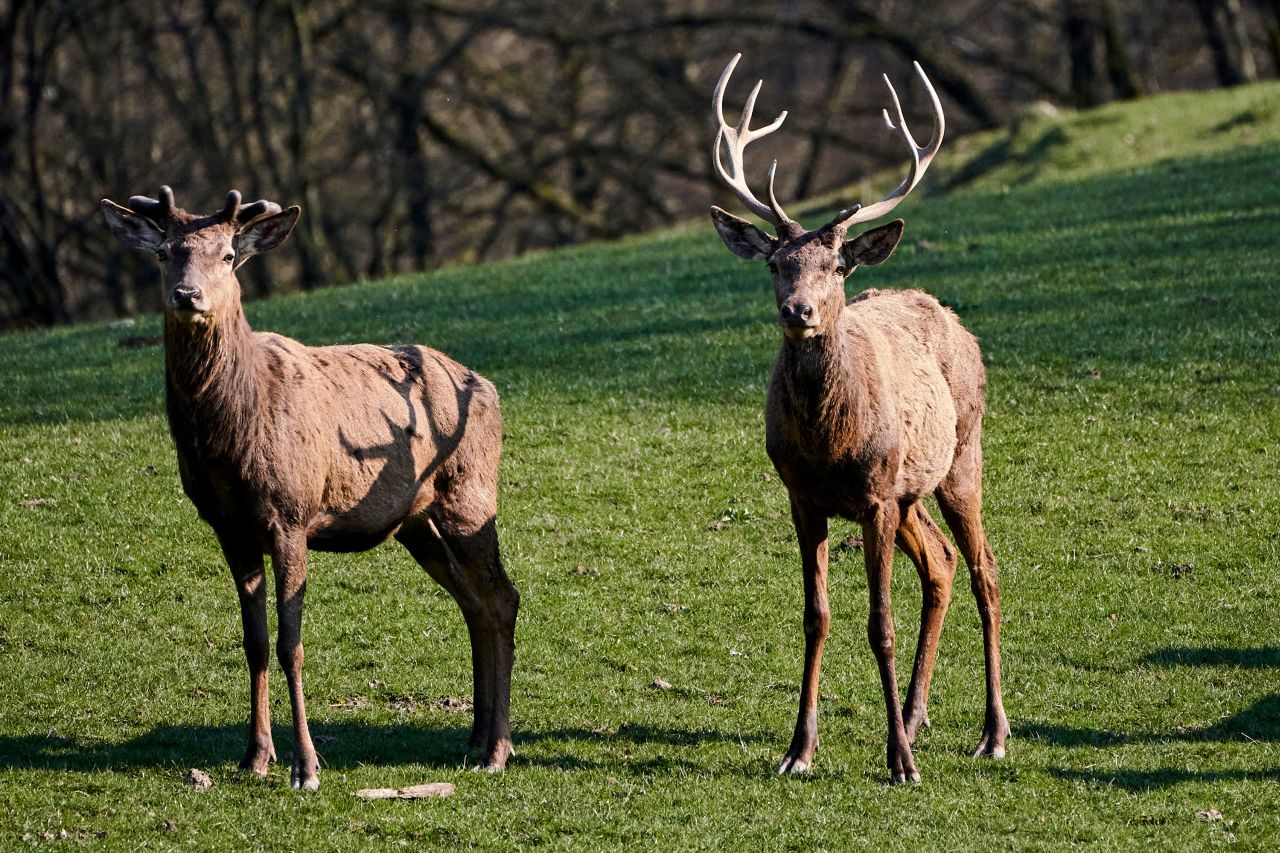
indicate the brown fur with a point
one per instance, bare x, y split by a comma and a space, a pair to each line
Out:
876, 402
284, 447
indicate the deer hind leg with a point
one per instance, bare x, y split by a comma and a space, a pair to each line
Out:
469, 567
289, 563
878, 530
935, 561
811, 530
960, 498
247, 570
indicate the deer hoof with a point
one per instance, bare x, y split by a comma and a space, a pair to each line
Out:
257, 761
901, 778
304, 779
309, 784
992, 743
986, 750
496, 756
794, 765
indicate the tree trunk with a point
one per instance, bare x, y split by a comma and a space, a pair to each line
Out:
1270, 10
406, 100
1126, 83
1083, 38
1222, 22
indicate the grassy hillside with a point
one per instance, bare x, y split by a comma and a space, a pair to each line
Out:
1119, 269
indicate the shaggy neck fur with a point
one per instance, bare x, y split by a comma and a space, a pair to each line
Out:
825, 393
213, 384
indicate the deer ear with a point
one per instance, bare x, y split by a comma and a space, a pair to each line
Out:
872, 247
743, 239
134, 231
265, 234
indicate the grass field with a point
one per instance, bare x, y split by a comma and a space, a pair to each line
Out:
1119, 268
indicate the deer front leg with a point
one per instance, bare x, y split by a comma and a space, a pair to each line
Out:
878, 536
811, 530
289, 560
247, 570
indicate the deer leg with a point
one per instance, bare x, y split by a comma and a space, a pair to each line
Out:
935, 561
811, 530
878, 531
247, 570
490, 610
960, 497
483, 667
470, 569
289, 561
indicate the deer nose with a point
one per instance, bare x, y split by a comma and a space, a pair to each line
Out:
185, 296
796, 313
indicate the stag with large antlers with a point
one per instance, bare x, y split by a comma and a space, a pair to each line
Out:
284, 447
874, 403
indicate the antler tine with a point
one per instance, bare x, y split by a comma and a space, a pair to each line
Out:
921, 157
736, 140
748, 110
252, 212
773, 199
717, 97
233, 206
157, 210
242, 215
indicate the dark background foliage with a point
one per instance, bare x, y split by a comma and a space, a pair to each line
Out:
416, 134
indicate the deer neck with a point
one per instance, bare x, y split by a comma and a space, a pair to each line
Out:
212, 384
824, 393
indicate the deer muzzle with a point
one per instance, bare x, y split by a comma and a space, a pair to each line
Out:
798, 319
186, 299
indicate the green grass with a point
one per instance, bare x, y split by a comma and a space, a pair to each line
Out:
1123, 293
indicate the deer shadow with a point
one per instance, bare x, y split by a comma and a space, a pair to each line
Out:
1262, 657
1259, 722
349, 744
341, 745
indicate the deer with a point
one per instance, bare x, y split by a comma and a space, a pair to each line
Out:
285, 448
874, 403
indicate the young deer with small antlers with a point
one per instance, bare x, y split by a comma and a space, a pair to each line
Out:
284, 447
873, 404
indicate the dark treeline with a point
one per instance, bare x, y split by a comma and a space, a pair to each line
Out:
416, 134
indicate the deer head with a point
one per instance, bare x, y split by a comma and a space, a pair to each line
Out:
198, 255
809, 267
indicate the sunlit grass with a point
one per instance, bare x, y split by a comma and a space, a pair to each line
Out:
1126, 308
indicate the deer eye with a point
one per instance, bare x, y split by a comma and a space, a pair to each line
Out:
842, 270
162, 255
228, 258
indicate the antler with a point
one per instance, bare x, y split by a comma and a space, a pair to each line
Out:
920, 158
242, 216
157, 210
736, 140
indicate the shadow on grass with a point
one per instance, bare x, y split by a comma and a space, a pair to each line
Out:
1259, 658
349, 744
1028, 164
340, 745
1145, 780
641, 734
1259, 722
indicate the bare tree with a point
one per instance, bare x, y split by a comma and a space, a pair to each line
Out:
1227, 38
418, 134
